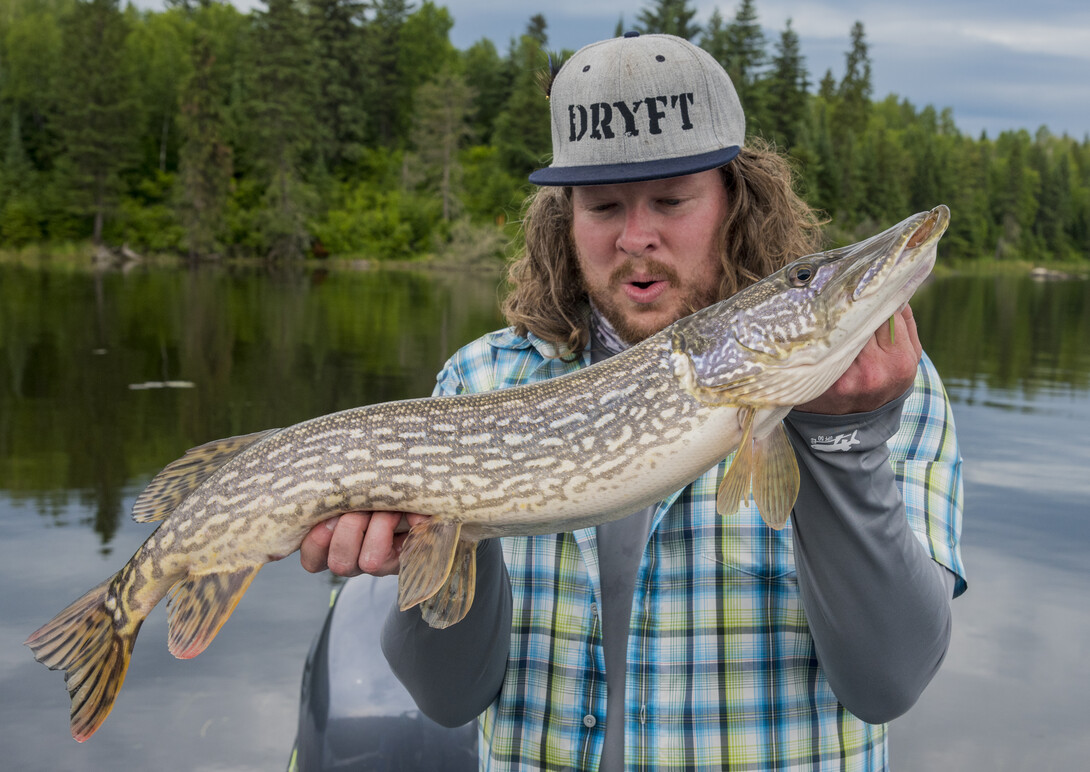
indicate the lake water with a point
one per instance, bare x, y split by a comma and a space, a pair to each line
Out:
85, 421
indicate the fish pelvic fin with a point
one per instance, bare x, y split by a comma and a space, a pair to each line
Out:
179, 478
766, 466
736, 482
200, 604
426, 561
775, 477
92, 644
451, 603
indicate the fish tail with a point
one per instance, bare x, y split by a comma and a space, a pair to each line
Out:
92, 642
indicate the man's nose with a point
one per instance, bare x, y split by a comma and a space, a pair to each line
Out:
639, 233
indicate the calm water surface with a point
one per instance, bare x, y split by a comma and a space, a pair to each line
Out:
84, 424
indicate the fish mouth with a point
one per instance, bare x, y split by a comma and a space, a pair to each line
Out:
909, 254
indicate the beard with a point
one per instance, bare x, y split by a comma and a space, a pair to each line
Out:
634, 324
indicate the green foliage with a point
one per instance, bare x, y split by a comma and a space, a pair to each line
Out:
522, 133
97, 108
740, 47
355, 127
786, 90
671, 17
20, 220
146, 219
379, 220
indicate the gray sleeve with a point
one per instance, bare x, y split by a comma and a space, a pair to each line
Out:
454, 674
878, 606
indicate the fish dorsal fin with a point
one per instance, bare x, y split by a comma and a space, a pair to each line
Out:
452, 602
200, 604
767, 466
426, 561
179, 478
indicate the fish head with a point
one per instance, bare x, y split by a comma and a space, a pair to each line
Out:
787, 338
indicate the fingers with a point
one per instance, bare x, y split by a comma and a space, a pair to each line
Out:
357, 543
899, 334
379, 554
913, 333
883, 370
314, 548
344, 547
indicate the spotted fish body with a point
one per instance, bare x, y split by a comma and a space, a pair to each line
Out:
567, 453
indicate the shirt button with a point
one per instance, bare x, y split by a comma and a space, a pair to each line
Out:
594, 609
589, 721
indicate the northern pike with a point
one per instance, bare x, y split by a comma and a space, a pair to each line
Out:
567, 453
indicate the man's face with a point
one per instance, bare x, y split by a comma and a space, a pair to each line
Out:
649, 251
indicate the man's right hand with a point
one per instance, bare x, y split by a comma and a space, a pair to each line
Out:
357, 543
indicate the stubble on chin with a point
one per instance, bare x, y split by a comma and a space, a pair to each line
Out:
644, 321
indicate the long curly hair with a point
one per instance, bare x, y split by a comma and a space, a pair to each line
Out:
767, 227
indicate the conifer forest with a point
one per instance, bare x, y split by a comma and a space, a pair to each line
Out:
349, 128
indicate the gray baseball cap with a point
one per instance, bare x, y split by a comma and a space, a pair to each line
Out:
641, 107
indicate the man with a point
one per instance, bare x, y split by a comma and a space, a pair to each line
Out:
675, 639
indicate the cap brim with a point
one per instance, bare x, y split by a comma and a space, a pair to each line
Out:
633, 172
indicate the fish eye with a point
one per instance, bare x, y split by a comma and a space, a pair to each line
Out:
801, 275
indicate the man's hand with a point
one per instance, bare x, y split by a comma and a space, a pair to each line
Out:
883, 371
357, 543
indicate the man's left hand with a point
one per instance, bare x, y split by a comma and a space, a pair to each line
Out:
883, 371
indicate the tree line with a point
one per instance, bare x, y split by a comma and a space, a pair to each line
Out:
355, 127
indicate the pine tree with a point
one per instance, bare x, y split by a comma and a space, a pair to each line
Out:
486, 78
787, 89
341, 113
746, 60
206, 160
384, 89
97, 112
523, 136
20, 214
714, 38
854, 91
439, 131
281, 110
669, 17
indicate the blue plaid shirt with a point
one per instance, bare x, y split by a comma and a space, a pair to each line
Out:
722, 672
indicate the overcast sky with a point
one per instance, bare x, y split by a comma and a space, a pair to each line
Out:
999, 64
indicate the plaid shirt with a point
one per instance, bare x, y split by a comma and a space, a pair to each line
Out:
722, 672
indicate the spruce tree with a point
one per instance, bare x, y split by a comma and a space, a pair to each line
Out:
206, 160
523, 135
281, 111
97, 113
439, 131
670, 17
339, 54
384, 90
786, 90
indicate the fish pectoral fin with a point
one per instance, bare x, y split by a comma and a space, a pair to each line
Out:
451, 603
179, 478
736, 482
773, 387
200, 604
426, 560
775, 477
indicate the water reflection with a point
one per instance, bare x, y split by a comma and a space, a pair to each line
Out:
76, 445
1015, 355
1008, 332
261, 352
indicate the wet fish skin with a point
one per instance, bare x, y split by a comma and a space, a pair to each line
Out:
553, 456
